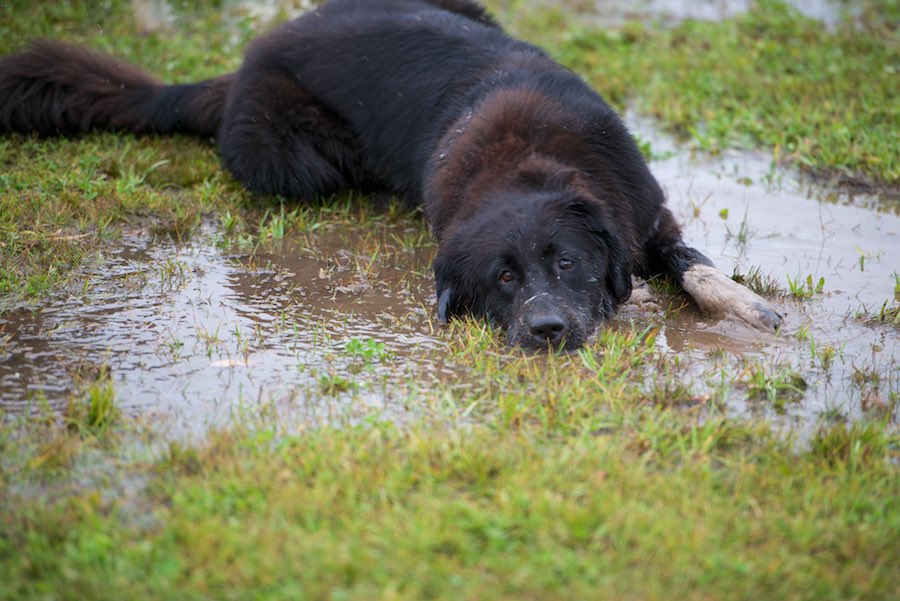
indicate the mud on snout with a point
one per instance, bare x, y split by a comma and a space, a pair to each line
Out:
545, 321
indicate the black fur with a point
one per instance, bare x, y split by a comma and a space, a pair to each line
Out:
542, 205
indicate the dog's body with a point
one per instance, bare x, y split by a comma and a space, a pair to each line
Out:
541, 203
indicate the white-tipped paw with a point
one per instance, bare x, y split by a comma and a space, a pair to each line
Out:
717, 294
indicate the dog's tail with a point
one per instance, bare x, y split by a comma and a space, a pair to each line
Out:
53, 88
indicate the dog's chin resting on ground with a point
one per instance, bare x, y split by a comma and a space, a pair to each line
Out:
541, 203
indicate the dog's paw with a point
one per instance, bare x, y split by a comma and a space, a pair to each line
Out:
717, 294
753, 310
764, 317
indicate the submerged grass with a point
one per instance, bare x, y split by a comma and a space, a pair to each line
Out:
595, 474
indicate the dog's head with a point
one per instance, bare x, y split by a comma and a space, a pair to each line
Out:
546, 265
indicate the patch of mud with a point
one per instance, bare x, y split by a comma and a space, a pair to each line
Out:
195, 336
747, 215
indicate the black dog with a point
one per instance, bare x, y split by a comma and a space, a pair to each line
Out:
542, 205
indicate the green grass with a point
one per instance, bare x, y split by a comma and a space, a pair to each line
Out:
805, 288
771, 78
367, 351
775, 384
94, 411
757, 281
597, 474
573, 484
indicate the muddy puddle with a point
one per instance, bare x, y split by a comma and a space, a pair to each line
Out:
748, 216
197, 335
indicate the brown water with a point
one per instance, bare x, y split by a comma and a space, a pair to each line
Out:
195, 335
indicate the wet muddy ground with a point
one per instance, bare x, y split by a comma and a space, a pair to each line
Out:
749, 216
196, 334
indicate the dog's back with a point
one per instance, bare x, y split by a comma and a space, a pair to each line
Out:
342, 50
367, 86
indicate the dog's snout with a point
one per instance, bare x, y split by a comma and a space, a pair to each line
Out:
547, 327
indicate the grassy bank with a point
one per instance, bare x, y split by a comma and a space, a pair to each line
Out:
600, 474
818, 99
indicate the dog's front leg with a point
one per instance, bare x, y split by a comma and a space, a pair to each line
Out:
713, 291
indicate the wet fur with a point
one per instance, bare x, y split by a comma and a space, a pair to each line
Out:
523, 171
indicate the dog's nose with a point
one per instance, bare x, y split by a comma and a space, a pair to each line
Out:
547, 327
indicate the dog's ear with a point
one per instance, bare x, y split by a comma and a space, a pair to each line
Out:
444, 298
597, 219
618, 275
446, 281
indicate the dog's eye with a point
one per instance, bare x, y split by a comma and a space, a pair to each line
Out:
506, 277
566, 263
